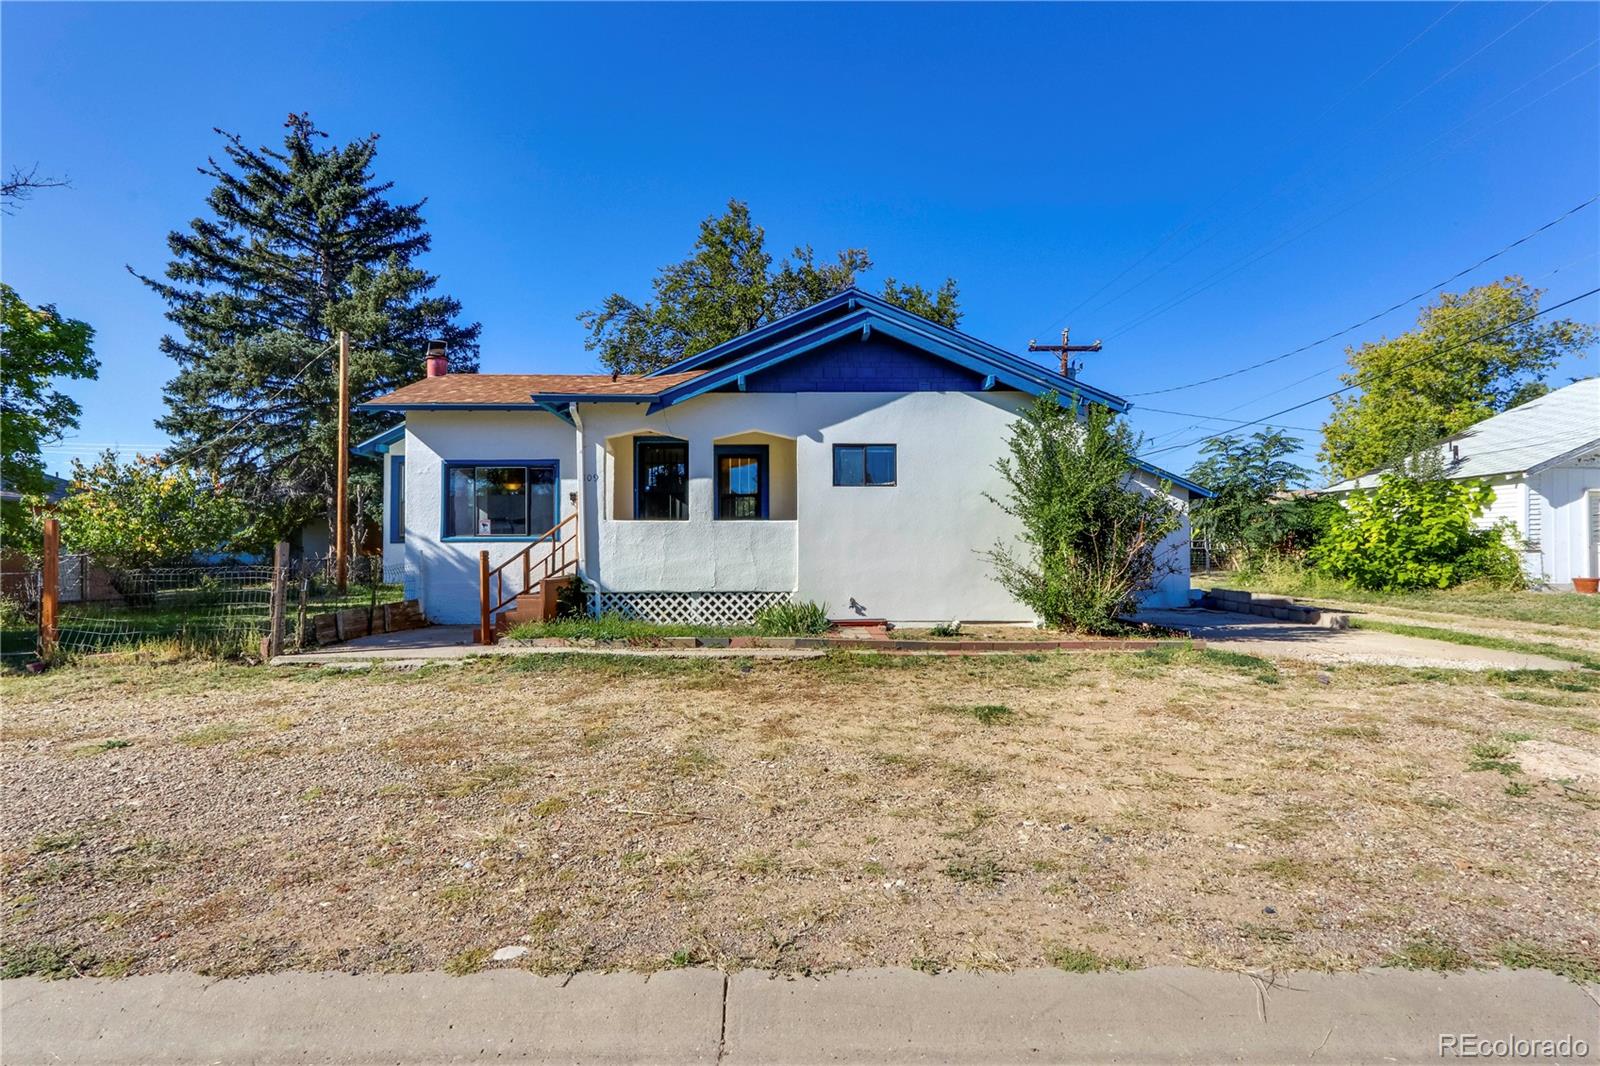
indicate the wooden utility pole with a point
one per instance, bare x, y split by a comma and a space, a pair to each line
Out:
1065, 350
341, 516
49, 588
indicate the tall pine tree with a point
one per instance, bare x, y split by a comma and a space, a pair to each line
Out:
300, 243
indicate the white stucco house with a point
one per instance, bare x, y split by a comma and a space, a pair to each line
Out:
840, 455
1542, 459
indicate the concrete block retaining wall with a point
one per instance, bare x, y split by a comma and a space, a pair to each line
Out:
1280, 608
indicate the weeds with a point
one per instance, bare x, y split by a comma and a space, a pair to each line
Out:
792, 619
987, 872
469, 961
1493, 755
985, 713
1429, 953
1520, 955
1082, 960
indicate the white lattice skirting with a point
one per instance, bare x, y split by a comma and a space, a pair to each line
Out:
699, 608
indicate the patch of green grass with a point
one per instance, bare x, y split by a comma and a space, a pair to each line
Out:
48, 842
614, 627
612, 666
1285, 870
1262, 670
1429, 953
216, 733
1521, 955
985, 871
547, 807
469, 961
928, 966
100, 747
1493, 755
1361, 732
1479, 640
1567, 609
46, 960
1083, 960
682, 958
986, 713
472, 781
1518, 789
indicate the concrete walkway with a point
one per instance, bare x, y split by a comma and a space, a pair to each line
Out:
873, 1016
1254, 635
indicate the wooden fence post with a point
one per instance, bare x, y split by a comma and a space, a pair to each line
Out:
280, 588
486, 630
49, 588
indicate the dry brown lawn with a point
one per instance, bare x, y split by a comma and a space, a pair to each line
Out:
984, 812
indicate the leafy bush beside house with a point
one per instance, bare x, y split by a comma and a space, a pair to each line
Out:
1415, 532
1089, 536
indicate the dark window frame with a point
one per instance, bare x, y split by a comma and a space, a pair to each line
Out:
658, 439
865, 482
447, 512
763, 455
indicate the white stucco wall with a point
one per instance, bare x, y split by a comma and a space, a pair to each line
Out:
1566, 535
911, 552
443, 573
394, 551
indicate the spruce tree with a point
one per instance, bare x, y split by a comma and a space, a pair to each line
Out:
299, 243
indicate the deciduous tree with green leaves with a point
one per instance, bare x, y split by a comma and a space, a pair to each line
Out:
135, 515
1090, 535
298, 243
1471, 355
1251, 515
727, 286
38, 348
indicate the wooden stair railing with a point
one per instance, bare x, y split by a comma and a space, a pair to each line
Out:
493, 596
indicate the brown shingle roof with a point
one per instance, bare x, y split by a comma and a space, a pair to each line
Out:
478, 390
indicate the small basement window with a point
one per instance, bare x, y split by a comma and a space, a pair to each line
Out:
741, 481
864, 464
500, 499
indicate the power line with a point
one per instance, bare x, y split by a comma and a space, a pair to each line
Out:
1243, 181
1403, 366
260, 409
1220, 418
1335, 366
1386, 311
1251, 258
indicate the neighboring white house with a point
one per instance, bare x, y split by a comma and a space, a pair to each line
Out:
841, 454
1543, 461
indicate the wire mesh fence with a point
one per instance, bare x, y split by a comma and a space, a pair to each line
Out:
224, 606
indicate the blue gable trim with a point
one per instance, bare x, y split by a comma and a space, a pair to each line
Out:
1181, 482
1017, 374
379, 443
850, 304
876, 364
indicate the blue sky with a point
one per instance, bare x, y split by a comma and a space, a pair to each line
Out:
1305, 165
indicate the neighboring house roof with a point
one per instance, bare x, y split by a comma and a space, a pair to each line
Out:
1184, 483
1528, 438
55, 490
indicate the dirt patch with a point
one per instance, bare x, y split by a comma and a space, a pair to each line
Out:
1560, 762
1170, 807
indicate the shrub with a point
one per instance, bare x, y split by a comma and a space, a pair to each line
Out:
1089, 535
1414, 532
791, 619
946, 629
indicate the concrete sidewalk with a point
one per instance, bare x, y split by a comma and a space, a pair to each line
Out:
879, 1016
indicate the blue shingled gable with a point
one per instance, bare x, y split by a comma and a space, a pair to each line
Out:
877, 364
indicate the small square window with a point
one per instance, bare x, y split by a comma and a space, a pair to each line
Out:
864, 464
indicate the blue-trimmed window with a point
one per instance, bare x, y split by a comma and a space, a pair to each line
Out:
660, 478
742, 476
499, 498
864, 464
397, 499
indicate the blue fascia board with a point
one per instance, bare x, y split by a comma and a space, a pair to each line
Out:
844, 299
858, 303
378, 443
1181, 482
565, 414
979, 362
447, 407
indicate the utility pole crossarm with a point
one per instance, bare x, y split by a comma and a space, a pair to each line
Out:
1065, 350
